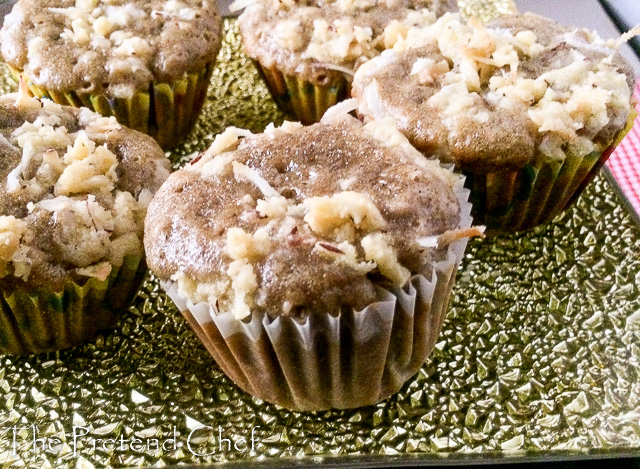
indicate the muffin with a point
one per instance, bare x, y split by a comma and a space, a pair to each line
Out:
74, 187
307, 52
527, 109
148, 63
318, 264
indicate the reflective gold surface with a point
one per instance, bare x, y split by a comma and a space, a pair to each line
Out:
540, 353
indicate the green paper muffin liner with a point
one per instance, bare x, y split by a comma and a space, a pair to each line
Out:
166, 111
353, 359
40, 320
301, 99
536, 194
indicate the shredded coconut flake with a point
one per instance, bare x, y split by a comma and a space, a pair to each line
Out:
341, 109
378, 248
238, 5
244, 172
450, 236
633, 32
223, 142
337, 68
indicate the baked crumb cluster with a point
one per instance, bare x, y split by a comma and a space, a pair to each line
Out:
123, 43
103, 23
66, 177
343, 40
107, 25
285, 229
340, 33
337, 225
572, 103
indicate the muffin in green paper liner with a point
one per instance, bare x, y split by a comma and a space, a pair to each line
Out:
318, 268
148, 63
307, 53
39, 320
521, 200
302, 98
73, 195
526, 109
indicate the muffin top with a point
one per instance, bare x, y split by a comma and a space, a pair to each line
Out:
111, 47
314, 38
496, 96
74, 188
301, 220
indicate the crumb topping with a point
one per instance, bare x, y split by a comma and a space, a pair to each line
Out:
569, 85
274, 229
88, 44
11, 232
344, 211
338, 35
61, 196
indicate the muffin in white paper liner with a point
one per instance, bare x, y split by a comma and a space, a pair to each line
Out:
355, 359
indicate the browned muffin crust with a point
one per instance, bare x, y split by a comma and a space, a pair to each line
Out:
309, 38
109, 47
49, 238
507, 138
301, 272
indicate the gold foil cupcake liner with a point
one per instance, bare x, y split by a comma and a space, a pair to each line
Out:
536, 194
40, 320
166, 111
354, 359
300, 98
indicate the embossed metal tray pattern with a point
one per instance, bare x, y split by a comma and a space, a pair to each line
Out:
540, 353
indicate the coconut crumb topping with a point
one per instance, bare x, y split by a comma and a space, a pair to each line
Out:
336, 222
325, 214
346, 228
103, 25
347, 254
343, 39
338, 35
428, 70
223, 142
273, 207
483, 66
378, 249
115, 47
67, 177
11, 232
338, 40
564, 100
85, 168
94, 21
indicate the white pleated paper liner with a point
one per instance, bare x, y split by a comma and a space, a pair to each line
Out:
355, 359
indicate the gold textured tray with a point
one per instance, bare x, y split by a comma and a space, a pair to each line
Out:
540, 354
